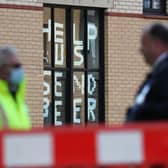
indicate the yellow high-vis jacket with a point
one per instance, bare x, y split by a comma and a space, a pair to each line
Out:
15, 110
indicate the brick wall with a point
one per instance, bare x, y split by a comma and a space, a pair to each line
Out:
124, 66
90, 3
21, 2
127, 6
23, 29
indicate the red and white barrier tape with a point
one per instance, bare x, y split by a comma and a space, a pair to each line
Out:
84, 146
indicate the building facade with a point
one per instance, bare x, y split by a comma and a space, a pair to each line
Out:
81, 56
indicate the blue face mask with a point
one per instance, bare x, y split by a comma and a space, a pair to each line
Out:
16, 76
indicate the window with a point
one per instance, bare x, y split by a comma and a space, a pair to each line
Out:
73, 65
157, 7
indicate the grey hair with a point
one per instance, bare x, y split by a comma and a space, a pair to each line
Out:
6, 52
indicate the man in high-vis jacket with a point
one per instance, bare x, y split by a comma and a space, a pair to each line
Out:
13, 110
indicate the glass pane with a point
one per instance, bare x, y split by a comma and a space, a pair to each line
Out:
47, 111
147, 3
93, 39
78, 97
59, 98
60, 37
78, 37
156, 4
93, 97
47, 37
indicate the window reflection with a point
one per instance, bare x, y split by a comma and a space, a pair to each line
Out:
71, 89
93, 88
47, 111
47, 37
93, 41
147, 3
78, 39
59, 98
78, 97
152, 4
59, 37
156, 4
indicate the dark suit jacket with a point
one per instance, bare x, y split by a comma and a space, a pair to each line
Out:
155, 104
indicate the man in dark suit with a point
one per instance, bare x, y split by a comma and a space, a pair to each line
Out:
151, 101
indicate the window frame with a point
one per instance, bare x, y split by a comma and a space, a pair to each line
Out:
69, 63
151, 11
